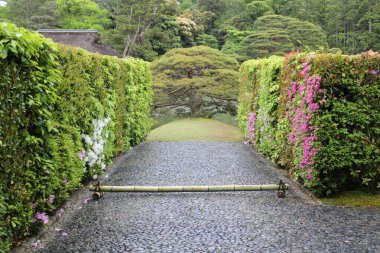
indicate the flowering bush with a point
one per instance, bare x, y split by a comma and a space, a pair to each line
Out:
316, 115
259, 98
251, 127
64, 114
302, 106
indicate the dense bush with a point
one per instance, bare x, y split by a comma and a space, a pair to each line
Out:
316, 115
64, 114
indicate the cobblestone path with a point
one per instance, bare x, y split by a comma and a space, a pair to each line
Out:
207, 222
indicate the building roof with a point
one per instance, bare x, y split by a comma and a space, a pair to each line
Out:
66, 31
86, 39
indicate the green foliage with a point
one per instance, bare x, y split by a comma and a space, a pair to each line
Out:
33, 14
187, 4
72, 14
29, 76
82, 14
188, 31
195, 79
207, 40
4, 13
265, 43
222, 9
64, 114
276, 35
345, 120
144, 28
233, 43
203, 19
259, 92
353, 26
253, 10
302, 34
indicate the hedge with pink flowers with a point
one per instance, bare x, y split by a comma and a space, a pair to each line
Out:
316, 115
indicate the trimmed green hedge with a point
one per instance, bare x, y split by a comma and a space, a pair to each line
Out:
64, 114
317, 116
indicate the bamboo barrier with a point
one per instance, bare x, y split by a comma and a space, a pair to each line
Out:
214, 188
99, 189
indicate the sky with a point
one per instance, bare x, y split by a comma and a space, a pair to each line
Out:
2, 3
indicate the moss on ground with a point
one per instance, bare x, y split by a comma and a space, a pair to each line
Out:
354, 198
196, 129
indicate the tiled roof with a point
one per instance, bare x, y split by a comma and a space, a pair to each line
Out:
66, 31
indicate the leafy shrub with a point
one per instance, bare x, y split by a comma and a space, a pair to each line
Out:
64, 114
316, 115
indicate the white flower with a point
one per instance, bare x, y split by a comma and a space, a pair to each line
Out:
95, 144
87, 139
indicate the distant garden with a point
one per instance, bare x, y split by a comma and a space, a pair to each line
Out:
308, 97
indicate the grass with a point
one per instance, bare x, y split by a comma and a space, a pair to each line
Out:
354, 198
196, 129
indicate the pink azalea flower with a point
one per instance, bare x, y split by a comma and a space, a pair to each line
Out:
295, 84
292, 137
64, 234
251, 127
314, 107
42, 217
51, 198
374, 72
86, 200
37, 245
304, 127
290, 94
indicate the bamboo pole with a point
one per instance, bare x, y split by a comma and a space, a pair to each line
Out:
213, 188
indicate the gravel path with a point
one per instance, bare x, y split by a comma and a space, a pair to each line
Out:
207, 222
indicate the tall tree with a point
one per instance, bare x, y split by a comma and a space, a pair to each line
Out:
4, 12
349, 25
195, 79
133, 19
261, 44
252, 11
33, 14
302, 34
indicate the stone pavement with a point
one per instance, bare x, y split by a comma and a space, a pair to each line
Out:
207, 222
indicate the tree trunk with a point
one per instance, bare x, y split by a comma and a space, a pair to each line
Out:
370, 20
